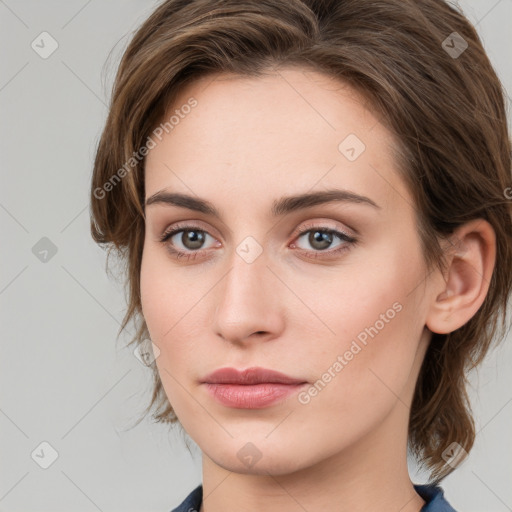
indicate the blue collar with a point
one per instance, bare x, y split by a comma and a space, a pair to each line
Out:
432, 494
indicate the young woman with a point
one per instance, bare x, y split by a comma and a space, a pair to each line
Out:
311, 198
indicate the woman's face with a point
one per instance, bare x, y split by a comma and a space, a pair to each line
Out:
340, 307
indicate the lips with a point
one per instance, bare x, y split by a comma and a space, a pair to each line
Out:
253, 388
250, 376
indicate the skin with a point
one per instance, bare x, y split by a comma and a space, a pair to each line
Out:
248, 142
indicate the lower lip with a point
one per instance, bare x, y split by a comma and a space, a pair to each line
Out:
255, 396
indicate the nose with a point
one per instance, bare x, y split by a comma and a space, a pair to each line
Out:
249, 302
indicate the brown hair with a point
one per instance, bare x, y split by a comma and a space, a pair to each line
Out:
447, 111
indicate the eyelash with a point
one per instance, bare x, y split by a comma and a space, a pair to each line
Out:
191, 255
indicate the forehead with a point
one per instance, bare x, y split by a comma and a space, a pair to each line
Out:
288, 131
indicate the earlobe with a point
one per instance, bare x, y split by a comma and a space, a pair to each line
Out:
459, 295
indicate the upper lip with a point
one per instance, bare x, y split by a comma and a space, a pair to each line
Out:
254, 375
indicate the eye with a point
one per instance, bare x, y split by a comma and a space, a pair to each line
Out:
185, 240
321, 238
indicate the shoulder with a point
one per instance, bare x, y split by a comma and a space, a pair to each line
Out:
192, 503
434, 498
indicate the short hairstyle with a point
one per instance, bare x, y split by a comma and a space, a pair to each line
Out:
421, 67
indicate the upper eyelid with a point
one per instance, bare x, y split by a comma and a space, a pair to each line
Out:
320, 225
183, 225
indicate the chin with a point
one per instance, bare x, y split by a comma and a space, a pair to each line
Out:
259, 459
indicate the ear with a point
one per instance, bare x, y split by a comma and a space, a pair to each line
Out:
463, 288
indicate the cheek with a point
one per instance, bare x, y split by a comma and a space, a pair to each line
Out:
368, 292
170, 306
152, 293
160, 302
162, 294
358, 385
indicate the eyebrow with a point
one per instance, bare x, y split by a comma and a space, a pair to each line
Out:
280, 207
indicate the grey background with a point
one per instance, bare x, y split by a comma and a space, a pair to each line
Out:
64, 380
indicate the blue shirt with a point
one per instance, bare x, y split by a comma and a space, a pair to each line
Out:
431, 494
